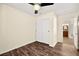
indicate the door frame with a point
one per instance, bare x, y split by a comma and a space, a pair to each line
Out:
68, 30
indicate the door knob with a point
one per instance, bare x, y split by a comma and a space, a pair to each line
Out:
48, 31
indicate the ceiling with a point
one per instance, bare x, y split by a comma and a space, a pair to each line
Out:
61, 8
58, 8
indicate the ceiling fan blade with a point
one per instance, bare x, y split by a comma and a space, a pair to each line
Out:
42, 4
32, 3
46, 4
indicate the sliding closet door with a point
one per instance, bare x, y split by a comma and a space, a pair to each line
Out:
43, 30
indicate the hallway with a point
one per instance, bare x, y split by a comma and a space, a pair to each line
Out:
68, 41
67, 48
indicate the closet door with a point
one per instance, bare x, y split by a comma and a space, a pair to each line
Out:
43, 31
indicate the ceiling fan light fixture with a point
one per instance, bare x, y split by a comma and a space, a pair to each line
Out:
36, 7
36, 11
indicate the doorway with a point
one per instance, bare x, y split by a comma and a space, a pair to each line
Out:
65, 31
66, 39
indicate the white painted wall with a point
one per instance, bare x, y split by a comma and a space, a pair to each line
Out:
59, 29
16, 28
53, 27
0, 22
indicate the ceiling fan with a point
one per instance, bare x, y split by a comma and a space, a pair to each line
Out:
38, 5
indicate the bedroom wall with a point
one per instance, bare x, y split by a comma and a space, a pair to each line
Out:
59, 29
17, 28
0, 22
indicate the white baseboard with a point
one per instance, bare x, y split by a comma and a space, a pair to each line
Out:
53, 45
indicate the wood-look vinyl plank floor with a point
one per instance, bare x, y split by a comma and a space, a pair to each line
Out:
41, 49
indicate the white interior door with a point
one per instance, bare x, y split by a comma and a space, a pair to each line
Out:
43, 31
75, 33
